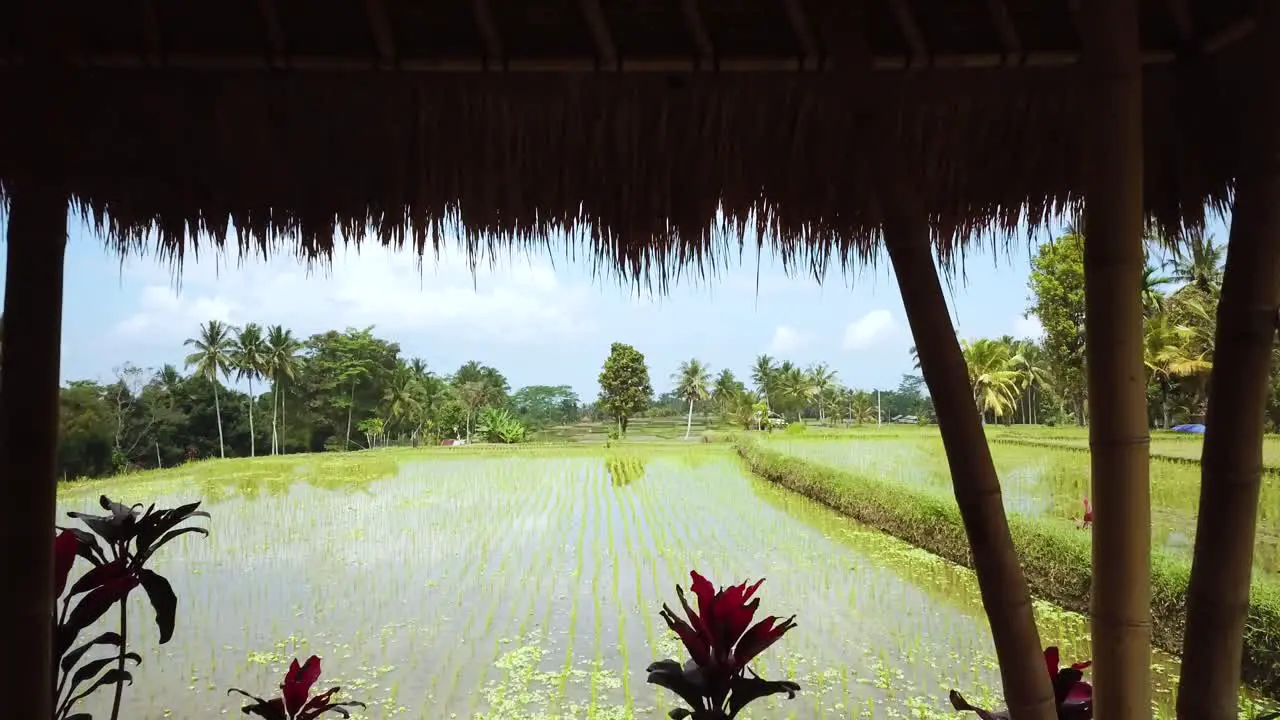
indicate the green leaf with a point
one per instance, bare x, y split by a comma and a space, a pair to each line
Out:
163, 601
107, 638
110, 677
143, 556
91, 669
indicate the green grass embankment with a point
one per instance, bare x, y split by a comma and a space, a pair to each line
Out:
1055, 555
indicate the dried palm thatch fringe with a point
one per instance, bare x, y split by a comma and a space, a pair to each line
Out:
650, 175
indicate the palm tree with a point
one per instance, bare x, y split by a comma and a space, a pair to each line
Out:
821, 379
250, 356
1033, 373
726, 389
1201, 265
691, 380
795, 385
765, 374
1152, 297
212, 359
915, 357
402, 396
281, 367
993, 381
1168, 357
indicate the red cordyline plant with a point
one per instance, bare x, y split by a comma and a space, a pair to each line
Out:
295, 701
118, 546
1073, 696
714, 682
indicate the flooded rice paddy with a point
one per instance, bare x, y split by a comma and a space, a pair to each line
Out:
1046, 482
528, 584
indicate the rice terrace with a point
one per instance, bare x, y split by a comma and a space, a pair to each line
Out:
506, 582
866, 359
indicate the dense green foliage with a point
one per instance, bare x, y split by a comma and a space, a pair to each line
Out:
1042, 381
335, 390
1056, 558
625, 390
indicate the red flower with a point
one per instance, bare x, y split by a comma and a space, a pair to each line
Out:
1073, 697
716, 635
65, 548
295, 702
1068, 687
721, 641
296, 687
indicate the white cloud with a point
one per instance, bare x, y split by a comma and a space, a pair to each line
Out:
786, 340
1027, 327
515, 303
869, 329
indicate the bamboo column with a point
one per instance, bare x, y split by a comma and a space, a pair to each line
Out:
29, 376
1005, 595
1118, 433
1231, 461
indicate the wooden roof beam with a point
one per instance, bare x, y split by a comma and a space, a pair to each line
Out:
488, 32
383, 38
151, 32
1182, 21
606, 51
275, 34
919, 51
848, 22
804, 33
1009, 37
698, 30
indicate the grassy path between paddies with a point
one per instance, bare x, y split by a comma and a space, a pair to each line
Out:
1268, 468
1055, 556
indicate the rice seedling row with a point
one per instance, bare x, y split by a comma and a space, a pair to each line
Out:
509, 586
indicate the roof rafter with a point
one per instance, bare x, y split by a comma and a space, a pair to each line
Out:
275, 34
151, 31
697, 29
1182, 21
488, 31
910, 32
803, 32
606, 51
1009, 37
383, 38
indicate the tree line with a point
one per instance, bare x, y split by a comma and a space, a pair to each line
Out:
1043, 381
782, 387
335, 390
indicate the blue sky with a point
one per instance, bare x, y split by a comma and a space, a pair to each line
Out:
537, 323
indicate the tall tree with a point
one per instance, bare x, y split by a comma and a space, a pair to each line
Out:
250, 356
726, 390
691, 380
624, 384
1167, 355
1057, 295
765, 375
821, 378
282, 368
1198, 261
212, 359
992, 378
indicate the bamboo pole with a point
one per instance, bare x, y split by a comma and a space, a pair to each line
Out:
1231, 461
1119, 438
1005, 595
32, 341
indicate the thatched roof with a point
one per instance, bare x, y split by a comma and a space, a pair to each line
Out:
288, 118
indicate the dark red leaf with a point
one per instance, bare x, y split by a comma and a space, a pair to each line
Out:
65, 548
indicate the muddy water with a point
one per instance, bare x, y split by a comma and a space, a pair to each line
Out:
528, 587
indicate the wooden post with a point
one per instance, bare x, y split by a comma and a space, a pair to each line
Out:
29, 376
1005, 595
1119, 438
1231, 461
